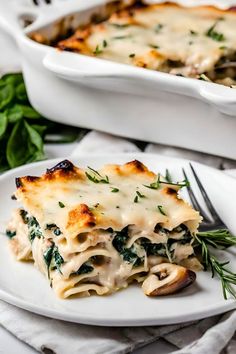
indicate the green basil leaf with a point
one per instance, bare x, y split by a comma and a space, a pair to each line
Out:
29, 112
21, 93
14, 114
34, 136
3, 123
14, 79
17, 147
6, 95
41, 129
24, 145
35, 144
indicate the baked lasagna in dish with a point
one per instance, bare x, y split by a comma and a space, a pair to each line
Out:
197, 42
98, 231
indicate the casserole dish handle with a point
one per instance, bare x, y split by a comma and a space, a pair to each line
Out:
11, 18
77, 67
13, 14
112, 76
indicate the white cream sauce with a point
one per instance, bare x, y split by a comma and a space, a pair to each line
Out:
181, 36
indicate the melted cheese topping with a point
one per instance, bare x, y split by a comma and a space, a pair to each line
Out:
165, 37
95, 230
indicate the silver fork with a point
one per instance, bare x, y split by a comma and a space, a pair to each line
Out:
207, 224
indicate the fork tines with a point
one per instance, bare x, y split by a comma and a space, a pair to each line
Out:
215, 221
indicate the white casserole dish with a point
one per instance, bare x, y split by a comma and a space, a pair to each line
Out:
117, 98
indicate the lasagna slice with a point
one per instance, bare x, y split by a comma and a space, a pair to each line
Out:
197, 42
97, 231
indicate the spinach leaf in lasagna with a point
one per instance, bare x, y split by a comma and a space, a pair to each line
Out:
53, 258
128, 254
84, 269
58, 259
34, 229
10, 233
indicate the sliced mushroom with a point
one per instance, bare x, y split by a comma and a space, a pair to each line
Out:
228, 64
167, 278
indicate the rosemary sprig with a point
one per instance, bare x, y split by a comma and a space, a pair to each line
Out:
219, 239
157, 184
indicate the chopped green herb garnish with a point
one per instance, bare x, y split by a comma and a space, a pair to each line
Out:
94, 171
92, 178
223, 47
140, 195
121, 37
96, 178
97, 50
61, 205
216, 36
190, 42
160, 208
10, 233
104, 43
114, 190
155, 185
193, 33
158, 27
132, 55
154, 46
120, 25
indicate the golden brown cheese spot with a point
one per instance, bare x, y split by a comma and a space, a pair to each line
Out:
170, 191
135, 167
61, 172
38, 37
80, 217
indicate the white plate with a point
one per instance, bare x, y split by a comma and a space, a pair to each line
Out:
22, 285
